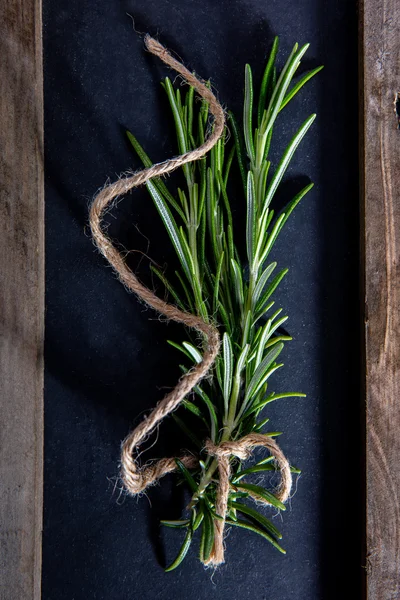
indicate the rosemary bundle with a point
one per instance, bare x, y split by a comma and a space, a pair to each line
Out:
233, 293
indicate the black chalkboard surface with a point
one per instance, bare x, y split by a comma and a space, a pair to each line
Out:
107, 360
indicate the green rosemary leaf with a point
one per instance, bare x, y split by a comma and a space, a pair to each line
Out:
221, 149
207, 537
160, 185
264, 534
199, 517
212, 213
216, 160
228, 368
182, 552
202, 228
239, 150
269, 218
174, 101
218, 365
262, 372
235, 495
293, 203
270, 467
271, 238
271, 398
262, 281
168, 286
189, 104
258, 468
176, 524
224, 318
147, 162
180, 348
276, 324
247, 327
266, 80
225, 198
170, 225
193, 408
268, 143
187, 475
187, 252
262, 424
277, 339
262, 183
217, 282
204, 110
200, 125
266, 333
231, 247
248, 113
286, 158
213, 415
184, 203
186, 291
260, 492
232, 513
228, 165
296, 88
259, 518
194, 353
274, 77
238, 283
260, 307
282, 85
251, 229
210, 507
242, 360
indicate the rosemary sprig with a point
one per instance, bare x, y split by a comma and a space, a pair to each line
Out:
213, 283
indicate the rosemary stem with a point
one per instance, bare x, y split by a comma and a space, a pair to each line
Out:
207, 476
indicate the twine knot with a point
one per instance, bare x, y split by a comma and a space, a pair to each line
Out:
241, 449
228, 448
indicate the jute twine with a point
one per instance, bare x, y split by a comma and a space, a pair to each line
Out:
136, 479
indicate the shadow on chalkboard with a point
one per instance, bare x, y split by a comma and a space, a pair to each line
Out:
126, 380
342, 504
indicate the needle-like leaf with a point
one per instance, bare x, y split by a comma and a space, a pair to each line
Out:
182, 552
248, 113
256, 491
264, 534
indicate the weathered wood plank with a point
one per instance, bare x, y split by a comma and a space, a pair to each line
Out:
21, 299
380, 159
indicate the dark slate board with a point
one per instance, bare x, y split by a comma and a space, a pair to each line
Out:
107, 360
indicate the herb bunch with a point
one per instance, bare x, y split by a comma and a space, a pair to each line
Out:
232, 291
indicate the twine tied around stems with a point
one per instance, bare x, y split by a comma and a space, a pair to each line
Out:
137, 479
242, 449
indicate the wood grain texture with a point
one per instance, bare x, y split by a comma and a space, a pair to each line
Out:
380, 27
21, 299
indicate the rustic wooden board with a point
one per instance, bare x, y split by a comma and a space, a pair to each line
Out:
380, 40
21, 299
